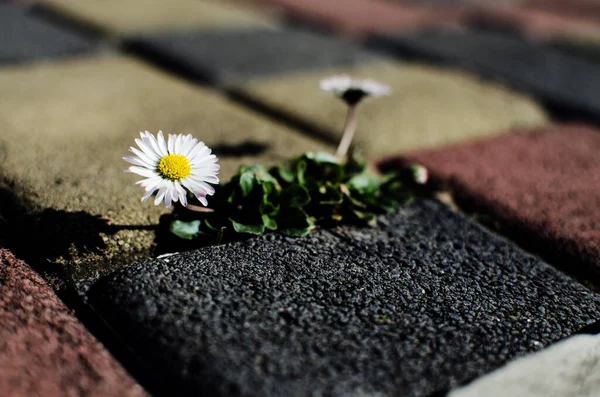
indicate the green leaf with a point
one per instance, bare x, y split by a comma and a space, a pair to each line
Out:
247, 180
363, 183
295, 222
300, 171
295, 196
250, 229
185, 230
323, 157
283, 174
269, 223
330, 195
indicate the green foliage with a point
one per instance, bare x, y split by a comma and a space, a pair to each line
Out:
314, 190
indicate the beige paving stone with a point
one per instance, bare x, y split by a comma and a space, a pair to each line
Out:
64, 129
428, 107
130, 17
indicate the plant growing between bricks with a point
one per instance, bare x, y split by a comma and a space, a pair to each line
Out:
312, 190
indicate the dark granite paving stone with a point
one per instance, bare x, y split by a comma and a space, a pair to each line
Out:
44, 350
229, 56
561, 80
542, 186
423, 302
24, 37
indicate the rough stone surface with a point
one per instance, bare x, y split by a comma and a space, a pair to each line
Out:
428, 107
543, 186
361, 17
559, 79
65, 128
570, 368
126, 17
425, 301
233, 56
44, 350
25, 38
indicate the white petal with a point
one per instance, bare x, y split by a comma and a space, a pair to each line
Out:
147, 149
170, 143
159, 196
146, 196
136, 161
162, 144
151, 160
182, 194
142, 171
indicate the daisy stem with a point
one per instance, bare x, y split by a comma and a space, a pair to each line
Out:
197, 208
348, 134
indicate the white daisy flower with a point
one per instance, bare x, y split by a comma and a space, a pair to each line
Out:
174, 166
353, 91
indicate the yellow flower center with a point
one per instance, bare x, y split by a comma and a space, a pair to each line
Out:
174, 167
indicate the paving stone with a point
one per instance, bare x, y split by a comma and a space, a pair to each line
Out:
543, 186
44, 350
227, 57
428, 107
569, 368
584, 9
536, 23
425, 301
65, 128
559, 79
361, 17
127, 17
25, 38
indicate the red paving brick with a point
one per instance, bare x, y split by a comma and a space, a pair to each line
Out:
44, 350
543, 186
584, 9
534, 22
369, 16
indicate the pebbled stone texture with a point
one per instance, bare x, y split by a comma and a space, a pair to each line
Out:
62, 185
24, 37
428, 107
233, 56
44, 350
128, 17
569, 368
521, 64
425, 301
542, 186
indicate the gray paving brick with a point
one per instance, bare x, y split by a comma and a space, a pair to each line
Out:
560, 79
423, 302
231, 56
24, 37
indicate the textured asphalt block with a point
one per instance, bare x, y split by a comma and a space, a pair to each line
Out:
428, 106
559, 79
360, 17
542, 186
128, 17
24, 37
421, 303
225, 57
44, 350
62, 185
569, 368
